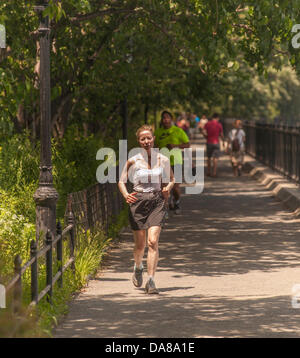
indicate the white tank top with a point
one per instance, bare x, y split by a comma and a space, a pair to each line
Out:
144, 179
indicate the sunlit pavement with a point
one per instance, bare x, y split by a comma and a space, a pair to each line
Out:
227, 268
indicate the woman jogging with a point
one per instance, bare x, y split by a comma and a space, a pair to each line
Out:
147, 170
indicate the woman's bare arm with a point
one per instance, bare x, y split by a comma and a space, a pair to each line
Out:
167, 187
129, 197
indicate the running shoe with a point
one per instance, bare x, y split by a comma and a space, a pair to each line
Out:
150, 287
137, 277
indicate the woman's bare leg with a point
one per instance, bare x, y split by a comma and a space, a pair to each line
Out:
139, 246
152, 259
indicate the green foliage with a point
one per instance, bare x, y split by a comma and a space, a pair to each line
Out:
20, 325
105, 51
16, 232
19, 172
74, 167
251, 96
89, 255
74, 163
49, 314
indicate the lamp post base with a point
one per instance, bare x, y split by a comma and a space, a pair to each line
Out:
45, 198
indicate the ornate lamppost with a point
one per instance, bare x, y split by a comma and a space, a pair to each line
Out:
45, 196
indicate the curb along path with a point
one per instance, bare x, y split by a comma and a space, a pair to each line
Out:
227, 267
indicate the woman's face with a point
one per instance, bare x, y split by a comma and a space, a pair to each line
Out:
166, 121
146, 140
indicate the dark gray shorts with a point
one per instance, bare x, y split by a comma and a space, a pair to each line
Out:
213, 150
149, 210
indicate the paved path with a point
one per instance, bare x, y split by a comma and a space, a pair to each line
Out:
227, 267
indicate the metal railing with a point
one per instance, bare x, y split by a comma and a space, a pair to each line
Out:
276, 146
98, 204
46, 252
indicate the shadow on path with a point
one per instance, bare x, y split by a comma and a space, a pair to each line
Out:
188, 316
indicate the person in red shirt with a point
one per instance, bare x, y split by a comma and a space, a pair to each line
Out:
212, 131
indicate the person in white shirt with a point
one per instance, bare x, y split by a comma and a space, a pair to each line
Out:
202, 122
236, 147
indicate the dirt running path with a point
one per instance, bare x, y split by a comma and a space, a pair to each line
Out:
227, 267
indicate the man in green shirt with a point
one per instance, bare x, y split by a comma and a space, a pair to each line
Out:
173, 138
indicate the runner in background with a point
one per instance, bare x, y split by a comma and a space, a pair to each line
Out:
194, 122
236, 147
212, 131
202, 122
172, 137
184, 124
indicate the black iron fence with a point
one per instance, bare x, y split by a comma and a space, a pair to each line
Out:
276, 146
45, 252
96, 206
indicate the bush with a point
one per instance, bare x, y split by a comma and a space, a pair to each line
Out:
21, 325
74, 163
74, 167
16, 232
19, 173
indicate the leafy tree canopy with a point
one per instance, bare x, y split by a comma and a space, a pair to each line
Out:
156, 53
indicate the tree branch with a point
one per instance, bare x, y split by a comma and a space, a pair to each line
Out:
281, 52
165, 32
239, 9
244, 26
217, 18
100, 13
105, 38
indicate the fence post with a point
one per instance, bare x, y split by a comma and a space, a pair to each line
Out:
17, 295
89, 207
59, 249
34, 272
120, 201
71, 221
49, 265
106, 207
114, 201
